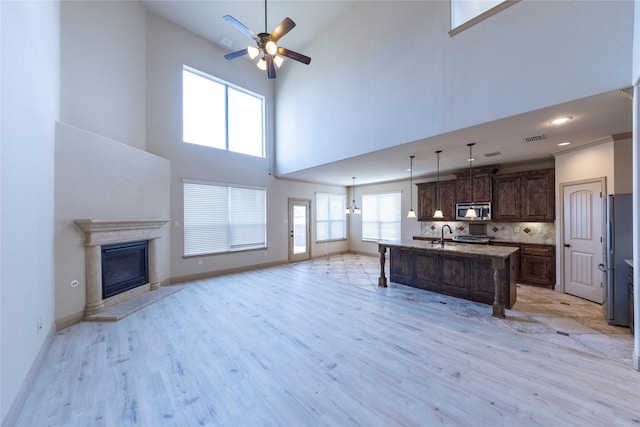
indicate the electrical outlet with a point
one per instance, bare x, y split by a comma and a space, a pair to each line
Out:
199, 262
516, 229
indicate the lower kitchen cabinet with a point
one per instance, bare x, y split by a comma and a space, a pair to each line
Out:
537, 265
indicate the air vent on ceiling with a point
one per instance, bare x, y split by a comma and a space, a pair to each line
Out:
495, 153
226, 42
534, 138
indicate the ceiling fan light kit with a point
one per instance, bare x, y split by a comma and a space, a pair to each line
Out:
267, 45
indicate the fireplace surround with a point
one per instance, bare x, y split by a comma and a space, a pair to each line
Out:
99, 233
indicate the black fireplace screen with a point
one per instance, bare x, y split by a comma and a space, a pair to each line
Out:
124, 267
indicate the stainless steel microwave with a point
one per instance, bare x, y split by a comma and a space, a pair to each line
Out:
483, 211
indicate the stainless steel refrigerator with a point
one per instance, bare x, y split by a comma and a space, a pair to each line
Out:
619, 248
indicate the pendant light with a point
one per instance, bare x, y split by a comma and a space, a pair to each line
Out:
471, 212
438, 213
412, 213
352, 207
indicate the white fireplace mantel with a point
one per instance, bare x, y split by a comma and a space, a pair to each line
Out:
100, 232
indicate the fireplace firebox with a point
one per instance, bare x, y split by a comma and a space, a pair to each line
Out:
124, 266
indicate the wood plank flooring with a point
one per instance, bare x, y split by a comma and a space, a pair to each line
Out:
282, 347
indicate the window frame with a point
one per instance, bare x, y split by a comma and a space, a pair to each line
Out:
343, 202
226, 85
396, 193
230, 247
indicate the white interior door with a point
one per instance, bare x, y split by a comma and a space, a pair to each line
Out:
583, 238
299, 230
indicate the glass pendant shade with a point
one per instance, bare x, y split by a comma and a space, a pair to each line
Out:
262, 64
271, 47
278, 60
471, 213
438, 213
412, 213
253, 52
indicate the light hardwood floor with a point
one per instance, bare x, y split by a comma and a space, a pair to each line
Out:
281, 346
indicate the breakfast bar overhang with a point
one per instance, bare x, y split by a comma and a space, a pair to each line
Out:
481, 273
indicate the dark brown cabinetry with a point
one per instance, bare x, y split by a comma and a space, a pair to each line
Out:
524, 196
427, 200
481, 186
537, 265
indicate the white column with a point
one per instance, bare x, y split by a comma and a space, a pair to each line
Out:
94, 301
636, 226
154, 281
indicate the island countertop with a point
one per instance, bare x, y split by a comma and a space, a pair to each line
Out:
481, 273
460, 248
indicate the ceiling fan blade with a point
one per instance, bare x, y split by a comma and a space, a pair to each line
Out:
271, 67
234, 55
233, 21
285, 26
294, 55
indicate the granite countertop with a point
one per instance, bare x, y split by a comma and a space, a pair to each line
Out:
459, 248
497, 241
629, 262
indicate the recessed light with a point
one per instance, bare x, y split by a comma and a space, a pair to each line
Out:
560, 120
562, 144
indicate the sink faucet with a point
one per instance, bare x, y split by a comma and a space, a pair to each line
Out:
442, 233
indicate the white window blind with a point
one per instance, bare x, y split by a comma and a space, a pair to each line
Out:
331, 221
381, 216
220, 218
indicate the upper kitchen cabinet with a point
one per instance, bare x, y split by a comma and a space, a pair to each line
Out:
427, 201
524, 196
481, 186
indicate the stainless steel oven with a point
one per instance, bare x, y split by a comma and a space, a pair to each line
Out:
483, 211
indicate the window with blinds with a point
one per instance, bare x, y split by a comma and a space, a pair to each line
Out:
221, 218
331, 223
381, 216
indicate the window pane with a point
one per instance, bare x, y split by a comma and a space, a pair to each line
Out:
222, 218
203, 111
245, 123
331, 223
381, 216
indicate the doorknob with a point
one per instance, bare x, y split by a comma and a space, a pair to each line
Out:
602, 268
566, 245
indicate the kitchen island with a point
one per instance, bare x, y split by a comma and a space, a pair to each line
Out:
481, 273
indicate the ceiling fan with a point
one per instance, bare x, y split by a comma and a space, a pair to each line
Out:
267, 45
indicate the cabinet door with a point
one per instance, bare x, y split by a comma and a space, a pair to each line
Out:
481, 187
506, 198
538, 189
537, 265
427, 200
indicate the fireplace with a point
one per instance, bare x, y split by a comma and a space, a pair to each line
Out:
127, 243
124, 267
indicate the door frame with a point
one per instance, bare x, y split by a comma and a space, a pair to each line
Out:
307, 254
560, 269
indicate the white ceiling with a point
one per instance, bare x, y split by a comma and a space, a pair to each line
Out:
594, 118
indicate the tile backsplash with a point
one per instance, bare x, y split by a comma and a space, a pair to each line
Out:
520, 232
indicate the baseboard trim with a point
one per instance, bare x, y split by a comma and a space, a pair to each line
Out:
208, 274
65, 322
25, 389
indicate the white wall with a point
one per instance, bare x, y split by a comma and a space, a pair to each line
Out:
29, 74
103, 68
169, 48
400, 77
97, 178
636, 44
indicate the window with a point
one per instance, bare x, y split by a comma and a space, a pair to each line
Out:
331, 223
466, 13
217, 115
220, 218
381, 216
